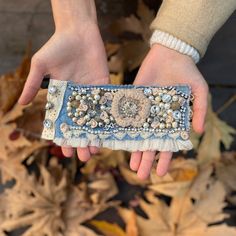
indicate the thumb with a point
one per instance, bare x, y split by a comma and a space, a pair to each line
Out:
32, 84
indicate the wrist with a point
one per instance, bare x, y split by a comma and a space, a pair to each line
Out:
74, 15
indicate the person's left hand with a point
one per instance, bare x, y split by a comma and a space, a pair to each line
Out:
163, 66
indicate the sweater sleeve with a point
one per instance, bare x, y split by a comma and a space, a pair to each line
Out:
193, 21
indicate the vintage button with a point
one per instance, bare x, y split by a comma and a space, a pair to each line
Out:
52, 90
47, 123
49, 106
184, 135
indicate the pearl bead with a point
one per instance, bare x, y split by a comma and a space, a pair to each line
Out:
175, 124
145, 125
175, 98
75, 119
69, 108
74, 93
162, 125
167, 106
97, 97
157, 99
78, 97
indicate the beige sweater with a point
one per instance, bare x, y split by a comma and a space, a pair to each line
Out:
193, 21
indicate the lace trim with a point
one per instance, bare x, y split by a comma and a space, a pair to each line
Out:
57, 100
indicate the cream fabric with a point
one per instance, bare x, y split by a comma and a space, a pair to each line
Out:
193, 21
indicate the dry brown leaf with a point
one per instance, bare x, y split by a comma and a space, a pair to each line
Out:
106, 159
12, 84
183, 217
177, 181
132, 51
216, 132
117, 78
225, 172
49, 205
108, 229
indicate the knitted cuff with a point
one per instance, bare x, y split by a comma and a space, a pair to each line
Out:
174, 43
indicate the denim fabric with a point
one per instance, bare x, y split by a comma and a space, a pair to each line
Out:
63, 117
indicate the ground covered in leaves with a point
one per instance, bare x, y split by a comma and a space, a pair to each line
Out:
45, 194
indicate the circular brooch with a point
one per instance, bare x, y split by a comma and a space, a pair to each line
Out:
130, 108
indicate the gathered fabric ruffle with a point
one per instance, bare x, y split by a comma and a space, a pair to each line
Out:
163, 145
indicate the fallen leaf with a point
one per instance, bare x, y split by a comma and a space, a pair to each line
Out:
217, 132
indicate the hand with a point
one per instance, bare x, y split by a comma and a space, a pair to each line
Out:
69, 55
163, 66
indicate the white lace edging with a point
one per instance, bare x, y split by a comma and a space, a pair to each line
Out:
163, 145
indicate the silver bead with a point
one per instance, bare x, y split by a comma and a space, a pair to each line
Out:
47, 123
147, 91
52, 90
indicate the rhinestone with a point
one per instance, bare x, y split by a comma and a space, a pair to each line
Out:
49, 106
147, 91
155, 109
47, 123
177, 115
52, 90
166, 98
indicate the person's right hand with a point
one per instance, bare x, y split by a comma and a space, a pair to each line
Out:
76, 55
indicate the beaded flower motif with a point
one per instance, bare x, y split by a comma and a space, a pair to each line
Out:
130, 108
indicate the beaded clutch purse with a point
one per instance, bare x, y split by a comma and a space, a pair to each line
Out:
119, 117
